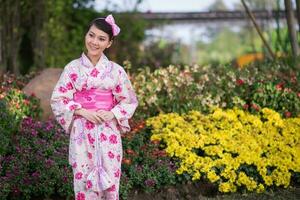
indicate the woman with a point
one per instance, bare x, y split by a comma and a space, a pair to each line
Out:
93, 101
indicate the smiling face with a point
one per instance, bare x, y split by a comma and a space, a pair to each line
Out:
96, 41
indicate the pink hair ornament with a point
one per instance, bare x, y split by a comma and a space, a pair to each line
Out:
115, 28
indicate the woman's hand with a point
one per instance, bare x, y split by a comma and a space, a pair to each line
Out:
89, 115
106, 115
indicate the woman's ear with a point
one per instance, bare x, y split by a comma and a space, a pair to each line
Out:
109, 44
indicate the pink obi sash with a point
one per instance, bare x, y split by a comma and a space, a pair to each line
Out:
95, 99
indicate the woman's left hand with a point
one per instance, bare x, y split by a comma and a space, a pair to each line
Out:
106, 115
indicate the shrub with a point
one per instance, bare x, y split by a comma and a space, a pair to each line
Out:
232, 148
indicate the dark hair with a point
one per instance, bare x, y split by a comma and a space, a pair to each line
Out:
101, 24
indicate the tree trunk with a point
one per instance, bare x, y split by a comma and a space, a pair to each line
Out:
291, 28
298, 13
10, 36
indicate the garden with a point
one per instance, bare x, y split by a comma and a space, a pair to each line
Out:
210, 130
233, 130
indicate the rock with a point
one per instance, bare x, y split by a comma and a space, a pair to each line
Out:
42, 86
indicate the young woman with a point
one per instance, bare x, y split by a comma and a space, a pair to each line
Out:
93, 101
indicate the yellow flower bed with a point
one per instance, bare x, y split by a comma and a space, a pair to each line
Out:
232, 148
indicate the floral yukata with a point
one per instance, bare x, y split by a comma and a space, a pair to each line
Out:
95, 150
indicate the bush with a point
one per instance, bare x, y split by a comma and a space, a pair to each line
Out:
145, 165
37, 166
233, 149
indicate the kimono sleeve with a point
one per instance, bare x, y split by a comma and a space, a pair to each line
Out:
126, 101
62, 103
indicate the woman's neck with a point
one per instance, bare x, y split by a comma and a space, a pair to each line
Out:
94, 59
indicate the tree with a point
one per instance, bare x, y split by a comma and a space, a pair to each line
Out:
291, 28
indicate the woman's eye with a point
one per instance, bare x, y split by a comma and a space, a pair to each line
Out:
91, 35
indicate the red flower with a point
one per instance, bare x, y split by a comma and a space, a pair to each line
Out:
255, 107
298, 94
287, 114
246, 106
117, 173
91, 139
279, 86
112, 188
239, 82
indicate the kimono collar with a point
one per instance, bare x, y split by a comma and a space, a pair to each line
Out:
85, 61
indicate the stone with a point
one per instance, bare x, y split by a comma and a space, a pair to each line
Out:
42, 86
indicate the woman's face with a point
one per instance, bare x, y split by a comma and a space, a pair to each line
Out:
96, 41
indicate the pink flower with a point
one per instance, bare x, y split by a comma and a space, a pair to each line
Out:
103, 137
117, 173
112, 188
73, 107
80, 196
94, 72
62, 121
90, 156
91, 139
78, 175
113, 139
62, 89
298, 94
111, 155
123, 112
118, 89
69, 86
118, 157
66, 101
74, 165
89, 184
89, 125
279, 86
73, 76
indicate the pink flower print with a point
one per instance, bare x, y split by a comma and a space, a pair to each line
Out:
118, 89
88, 98
89, 125
73, 107
118, 157
69, 86
103, 137
80, 196
111, 155
62, 89
91, 139
66, 101
78, 175
94, 72
117, 173
62, 121
73, 76
89, 184
112, 188
113, 139
123, 112
74, 165
90, 155
84, 86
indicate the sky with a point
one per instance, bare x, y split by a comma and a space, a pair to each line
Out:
161, 5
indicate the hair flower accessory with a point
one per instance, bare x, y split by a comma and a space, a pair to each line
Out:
115, 28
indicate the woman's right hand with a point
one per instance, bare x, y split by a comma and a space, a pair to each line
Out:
89, 115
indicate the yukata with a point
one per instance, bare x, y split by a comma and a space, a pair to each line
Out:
95, 150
